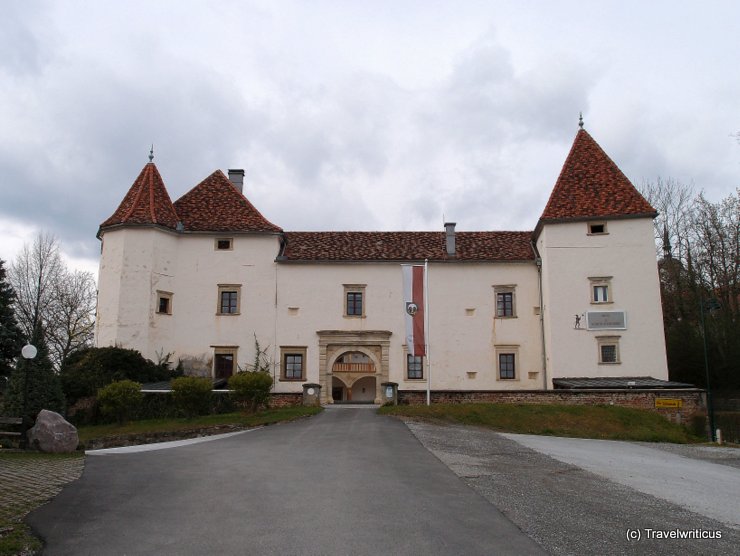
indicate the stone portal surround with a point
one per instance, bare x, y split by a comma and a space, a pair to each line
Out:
333, 343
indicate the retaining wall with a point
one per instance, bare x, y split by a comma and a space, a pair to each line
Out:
692, 401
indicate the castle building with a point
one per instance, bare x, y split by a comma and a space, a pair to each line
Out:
204, 277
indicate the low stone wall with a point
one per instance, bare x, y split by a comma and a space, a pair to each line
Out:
286, 399
693, 401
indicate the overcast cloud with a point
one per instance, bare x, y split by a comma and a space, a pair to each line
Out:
355, 115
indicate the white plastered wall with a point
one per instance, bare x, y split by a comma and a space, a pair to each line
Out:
626, 254
136, 263
463, 331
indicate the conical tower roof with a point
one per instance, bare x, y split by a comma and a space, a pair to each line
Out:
215, 205
147, 202
591, 185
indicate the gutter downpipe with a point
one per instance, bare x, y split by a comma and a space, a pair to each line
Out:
538, 262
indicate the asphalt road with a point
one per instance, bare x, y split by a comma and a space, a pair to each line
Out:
347, 481
568, 509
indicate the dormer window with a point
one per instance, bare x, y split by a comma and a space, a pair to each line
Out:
224, 244
596, 228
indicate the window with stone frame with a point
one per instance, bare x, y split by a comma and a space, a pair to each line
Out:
293, 363
164, 303
224, 362
601, 291
608, 350
354, 300
229, 298
506, 366
414, 366
505, 301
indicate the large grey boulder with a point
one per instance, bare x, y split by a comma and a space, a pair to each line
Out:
53, 434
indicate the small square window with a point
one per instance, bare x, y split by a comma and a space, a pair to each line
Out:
596, 228
608, 350
228, 299
414, 366
224, 244
164, 303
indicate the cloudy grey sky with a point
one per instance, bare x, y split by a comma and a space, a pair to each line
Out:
382, 115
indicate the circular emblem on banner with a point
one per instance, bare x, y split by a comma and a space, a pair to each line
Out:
412, 308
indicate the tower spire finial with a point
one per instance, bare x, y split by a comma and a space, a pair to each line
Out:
151, 153
580, 120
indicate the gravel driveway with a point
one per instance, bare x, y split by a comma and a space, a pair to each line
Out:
569, 510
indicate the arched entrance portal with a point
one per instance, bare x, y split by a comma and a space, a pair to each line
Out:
353, 365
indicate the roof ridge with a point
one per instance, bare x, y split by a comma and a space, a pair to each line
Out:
216, 204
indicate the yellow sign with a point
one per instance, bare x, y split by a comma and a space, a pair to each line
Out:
668, 402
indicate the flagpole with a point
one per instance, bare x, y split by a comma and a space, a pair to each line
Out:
426, 330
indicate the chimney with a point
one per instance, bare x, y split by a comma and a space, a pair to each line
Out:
237, 178
450, 238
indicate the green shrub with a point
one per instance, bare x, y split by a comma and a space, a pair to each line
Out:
120, 400
251, 389
88, 370
192, 395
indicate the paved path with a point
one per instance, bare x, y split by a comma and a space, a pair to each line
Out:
710, 489
569, 510
343, 482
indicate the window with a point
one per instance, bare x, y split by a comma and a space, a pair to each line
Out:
224, 362
293, 363
228, 299
505, 301
601, 294
354, 304
596, 228
608, 350
414, 366
164, 303
354, 300
224, 244
506, 366
600, 289
507, 361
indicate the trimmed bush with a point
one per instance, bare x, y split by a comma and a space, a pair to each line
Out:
120, 400
251, 389
192, 395
87, 370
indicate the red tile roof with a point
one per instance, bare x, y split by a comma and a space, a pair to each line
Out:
215, 205
147, 202
406, 246
592, 186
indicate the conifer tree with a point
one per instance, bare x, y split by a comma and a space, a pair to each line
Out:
11, 339
35, 381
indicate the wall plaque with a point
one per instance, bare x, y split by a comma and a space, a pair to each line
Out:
606, 320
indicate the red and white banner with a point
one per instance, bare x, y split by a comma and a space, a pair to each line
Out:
413, 305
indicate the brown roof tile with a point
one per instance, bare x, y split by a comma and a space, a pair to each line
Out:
406, 246
215, 205
147, 202
591, 185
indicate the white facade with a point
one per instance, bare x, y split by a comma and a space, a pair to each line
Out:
161, 289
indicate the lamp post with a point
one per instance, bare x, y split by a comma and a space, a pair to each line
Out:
711, 304
28, 352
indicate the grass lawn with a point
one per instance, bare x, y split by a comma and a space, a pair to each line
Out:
578, 421
175, 425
